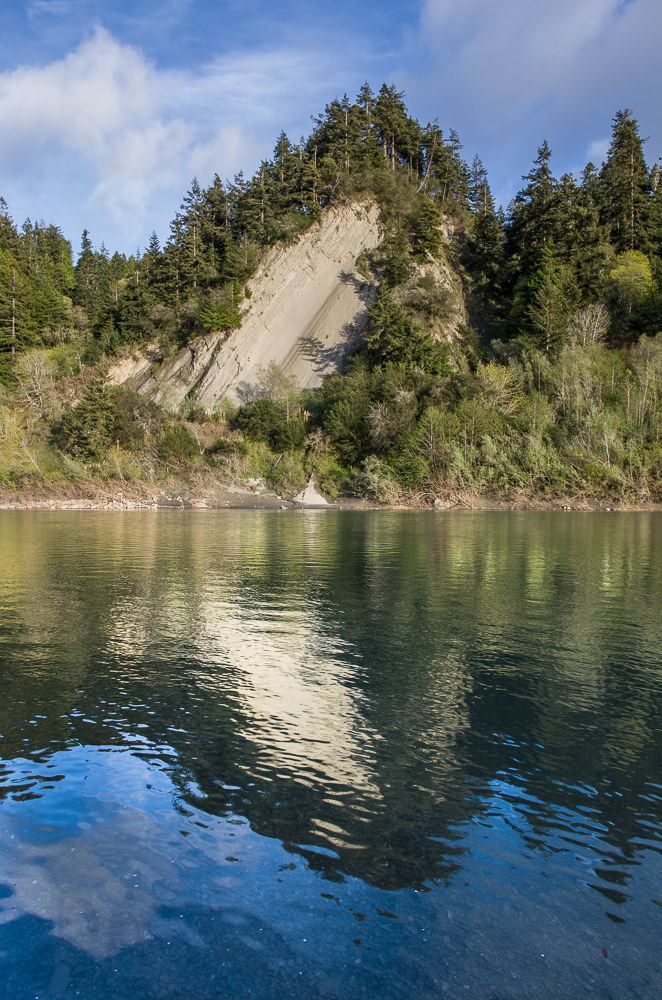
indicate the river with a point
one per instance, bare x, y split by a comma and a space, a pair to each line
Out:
330, 755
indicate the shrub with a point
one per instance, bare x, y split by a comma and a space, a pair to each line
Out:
259, 421
289, 475
104, 415
377, 480
177, 444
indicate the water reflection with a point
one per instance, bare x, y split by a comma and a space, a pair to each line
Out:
416, 702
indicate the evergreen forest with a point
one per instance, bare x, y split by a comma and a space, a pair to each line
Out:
549, 387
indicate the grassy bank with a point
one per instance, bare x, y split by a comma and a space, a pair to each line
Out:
581, 428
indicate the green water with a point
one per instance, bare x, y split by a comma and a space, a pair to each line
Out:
330, 755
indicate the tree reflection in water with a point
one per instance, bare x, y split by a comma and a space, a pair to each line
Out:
385, 696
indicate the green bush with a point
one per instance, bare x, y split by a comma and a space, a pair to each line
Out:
177, 444
259, 421
6, 374
266, 420
103, 416
289, 475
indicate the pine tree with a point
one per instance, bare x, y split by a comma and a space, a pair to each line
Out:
154, 269
590, 186
9, 239
18, 328
186, 238
479, 194
624, 185
433, 157
392, 124
531, 225
216, 232
280, 188
365, 103
338, 136
549, 302
653, 227
52, 245
86, 430
396, 261
86, 291
126, 323
117, 273
455, 181
254, 211
426, 237
484, 247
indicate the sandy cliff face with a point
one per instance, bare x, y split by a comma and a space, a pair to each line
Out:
307, 311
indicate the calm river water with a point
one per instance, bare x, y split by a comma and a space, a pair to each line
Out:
322, 755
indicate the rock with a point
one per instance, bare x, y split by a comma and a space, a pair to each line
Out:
307, 311
310, 497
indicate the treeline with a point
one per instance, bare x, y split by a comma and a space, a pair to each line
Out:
36, 282
563, 246
195, 282
552, 383
554, 387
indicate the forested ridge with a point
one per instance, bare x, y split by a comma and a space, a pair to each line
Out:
549, 384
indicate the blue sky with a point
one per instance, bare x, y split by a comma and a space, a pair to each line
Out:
110, 107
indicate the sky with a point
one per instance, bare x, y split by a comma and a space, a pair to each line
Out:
109, 108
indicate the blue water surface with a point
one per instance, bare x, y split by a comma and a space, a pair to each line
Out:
330, 755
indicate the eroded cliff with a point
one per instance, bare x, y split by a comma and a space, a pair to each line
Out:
306, 312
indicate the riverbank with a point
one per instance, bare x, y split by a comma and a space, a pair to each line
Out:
140, 495
136, 495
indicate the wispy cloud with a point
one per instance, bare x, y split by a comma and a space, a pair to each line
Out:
100, 133
597, 151
512, 73
141, 132
54, 8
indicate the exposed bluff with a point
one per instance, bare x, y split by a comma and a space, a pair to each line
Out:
306, 312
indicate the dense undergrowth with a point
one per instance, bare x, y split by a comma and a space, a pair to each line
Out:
506, 354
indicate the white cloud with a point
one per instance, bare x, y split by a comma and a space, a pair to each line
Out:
130, 133
56, 8
104, 138
597, 151
80, 101
512, 56
512, 73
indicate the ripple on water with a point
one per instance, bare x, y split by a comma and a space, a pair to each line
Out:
407, 754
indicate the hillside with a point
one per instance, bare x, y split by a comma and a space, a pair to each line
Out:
359, 311
306, 312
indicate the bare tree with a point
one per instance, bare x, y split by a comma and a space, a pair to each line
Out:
34, 374
589, 325
276, 385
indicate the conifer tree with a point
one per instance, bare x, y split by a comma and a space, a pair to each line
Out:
433, 153
365, 103
154, 268
550, 303
653, 238
392, 123
530, 225
426, 237
338, 134
8, 236
624, 185
186, 237
86, 291
455, 181
484, 247
216, 233
281, 188
479, 194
